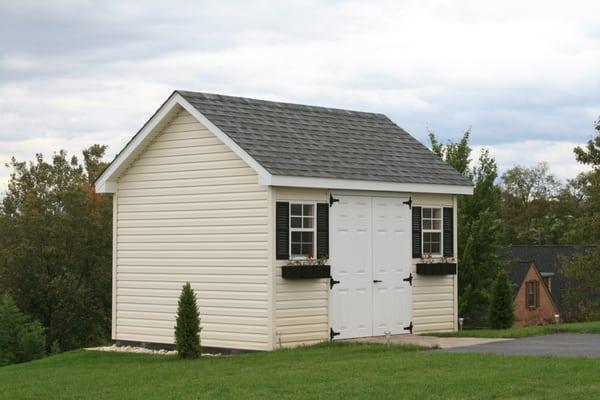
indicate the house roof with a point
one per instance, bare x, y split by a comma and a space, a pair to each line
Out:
547, 258
299, 140
304, 146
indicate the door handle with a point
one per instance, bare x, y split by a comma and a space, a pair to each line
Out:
376, 281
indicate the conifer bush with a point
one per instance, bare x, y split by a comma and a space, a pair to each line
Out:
187, 328
21, 339
501, 312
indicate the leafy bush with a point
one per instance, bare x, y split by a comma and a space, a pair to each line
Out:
187, 328
501, 313
21, 339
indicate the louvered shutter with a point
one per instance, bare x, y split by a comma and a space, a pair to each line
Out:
416, 232
322, 230
448, 232
282, 230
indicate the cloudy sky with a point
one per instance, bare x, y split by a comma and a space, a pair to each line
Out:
524, 75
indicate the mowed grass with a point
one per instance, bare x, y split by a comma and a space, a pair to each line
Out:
332, 371
579, 327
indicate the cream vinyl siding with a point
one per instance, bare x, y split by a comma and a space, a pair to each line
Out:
301, 306
189, 209
434, 297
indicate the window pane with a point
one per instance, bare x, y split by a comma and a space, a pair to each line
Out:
296, 236
436, 213
427, 213
308, 222
295, 249
307, 249
435, 248
308, 209
435, 224
296, 222
296, 209
426, 224
307, 237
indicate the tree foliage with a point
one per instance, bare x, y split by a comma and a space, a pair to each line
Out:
21, 339
187, 328
501, 313
479, 227
581, 296
55, 246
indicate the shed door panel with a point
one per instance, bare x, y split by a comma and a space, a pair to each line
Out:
351, 301
392, 300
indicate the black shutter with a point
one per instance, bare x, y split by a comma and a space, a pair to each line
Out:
282, 230
322, 230
416, 232
448, 232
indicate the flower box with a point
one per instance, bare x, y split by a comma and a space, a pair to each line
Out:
436, 268
305, 271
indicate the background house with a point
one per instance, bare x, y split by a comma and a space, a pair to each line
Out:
538, 285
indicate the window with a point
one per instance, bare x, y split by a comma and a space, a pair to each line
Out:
531, 294
302, 230
432, 231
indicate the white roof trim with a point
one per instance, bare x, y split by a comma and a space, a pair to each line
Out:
350, 184
107, 183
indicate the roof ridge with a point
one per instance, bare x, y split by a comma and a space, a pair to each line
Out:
277, 103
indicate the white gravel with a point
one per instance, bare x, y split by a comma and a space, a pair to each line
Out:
142, 350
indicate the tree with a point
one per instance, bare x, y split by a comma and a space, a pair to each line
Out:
55, 247
581, 295
529, 197
479, 227
501, 313
587, 185
187, 328
21, 339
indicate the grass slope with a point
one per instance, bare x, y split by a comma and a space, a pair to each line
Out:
320, 372
580, 327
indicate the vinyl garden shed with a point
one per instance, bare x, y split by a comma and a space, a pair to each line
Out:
237, 196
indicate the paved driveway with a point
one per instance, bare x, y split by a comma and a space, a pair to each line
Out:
562, 345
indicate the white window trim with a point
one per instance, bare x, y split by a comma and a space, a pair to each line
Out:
313, 230
440, 231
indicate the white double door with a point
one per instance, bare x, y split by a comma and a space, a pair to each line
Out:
370, 257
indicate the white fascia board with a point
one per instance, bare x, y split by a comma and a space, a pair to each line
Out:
349, 184
106, 183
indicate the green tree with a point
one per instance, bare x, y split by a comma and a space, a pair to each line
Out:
501, 313
581, 294
187, 328
529, 205
479, 227
587, 185
21, 339
55, 246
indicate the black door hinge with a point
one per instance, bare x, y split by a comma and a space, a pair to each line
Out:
332, 282
408, 202
332, 200
409, 279
332, 333
409, 328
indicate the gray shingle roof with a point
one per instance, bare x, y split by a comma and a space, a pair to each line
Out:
307, 141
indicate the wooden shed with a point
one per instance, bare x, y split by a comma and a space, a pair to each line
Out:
294, 224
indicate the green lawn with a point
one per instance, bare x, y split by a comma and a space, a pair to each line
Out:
580, 327
341, 371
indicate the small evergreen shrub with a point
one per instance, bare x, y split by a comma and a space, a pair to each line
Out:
501, 312
21, 339
187, 328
